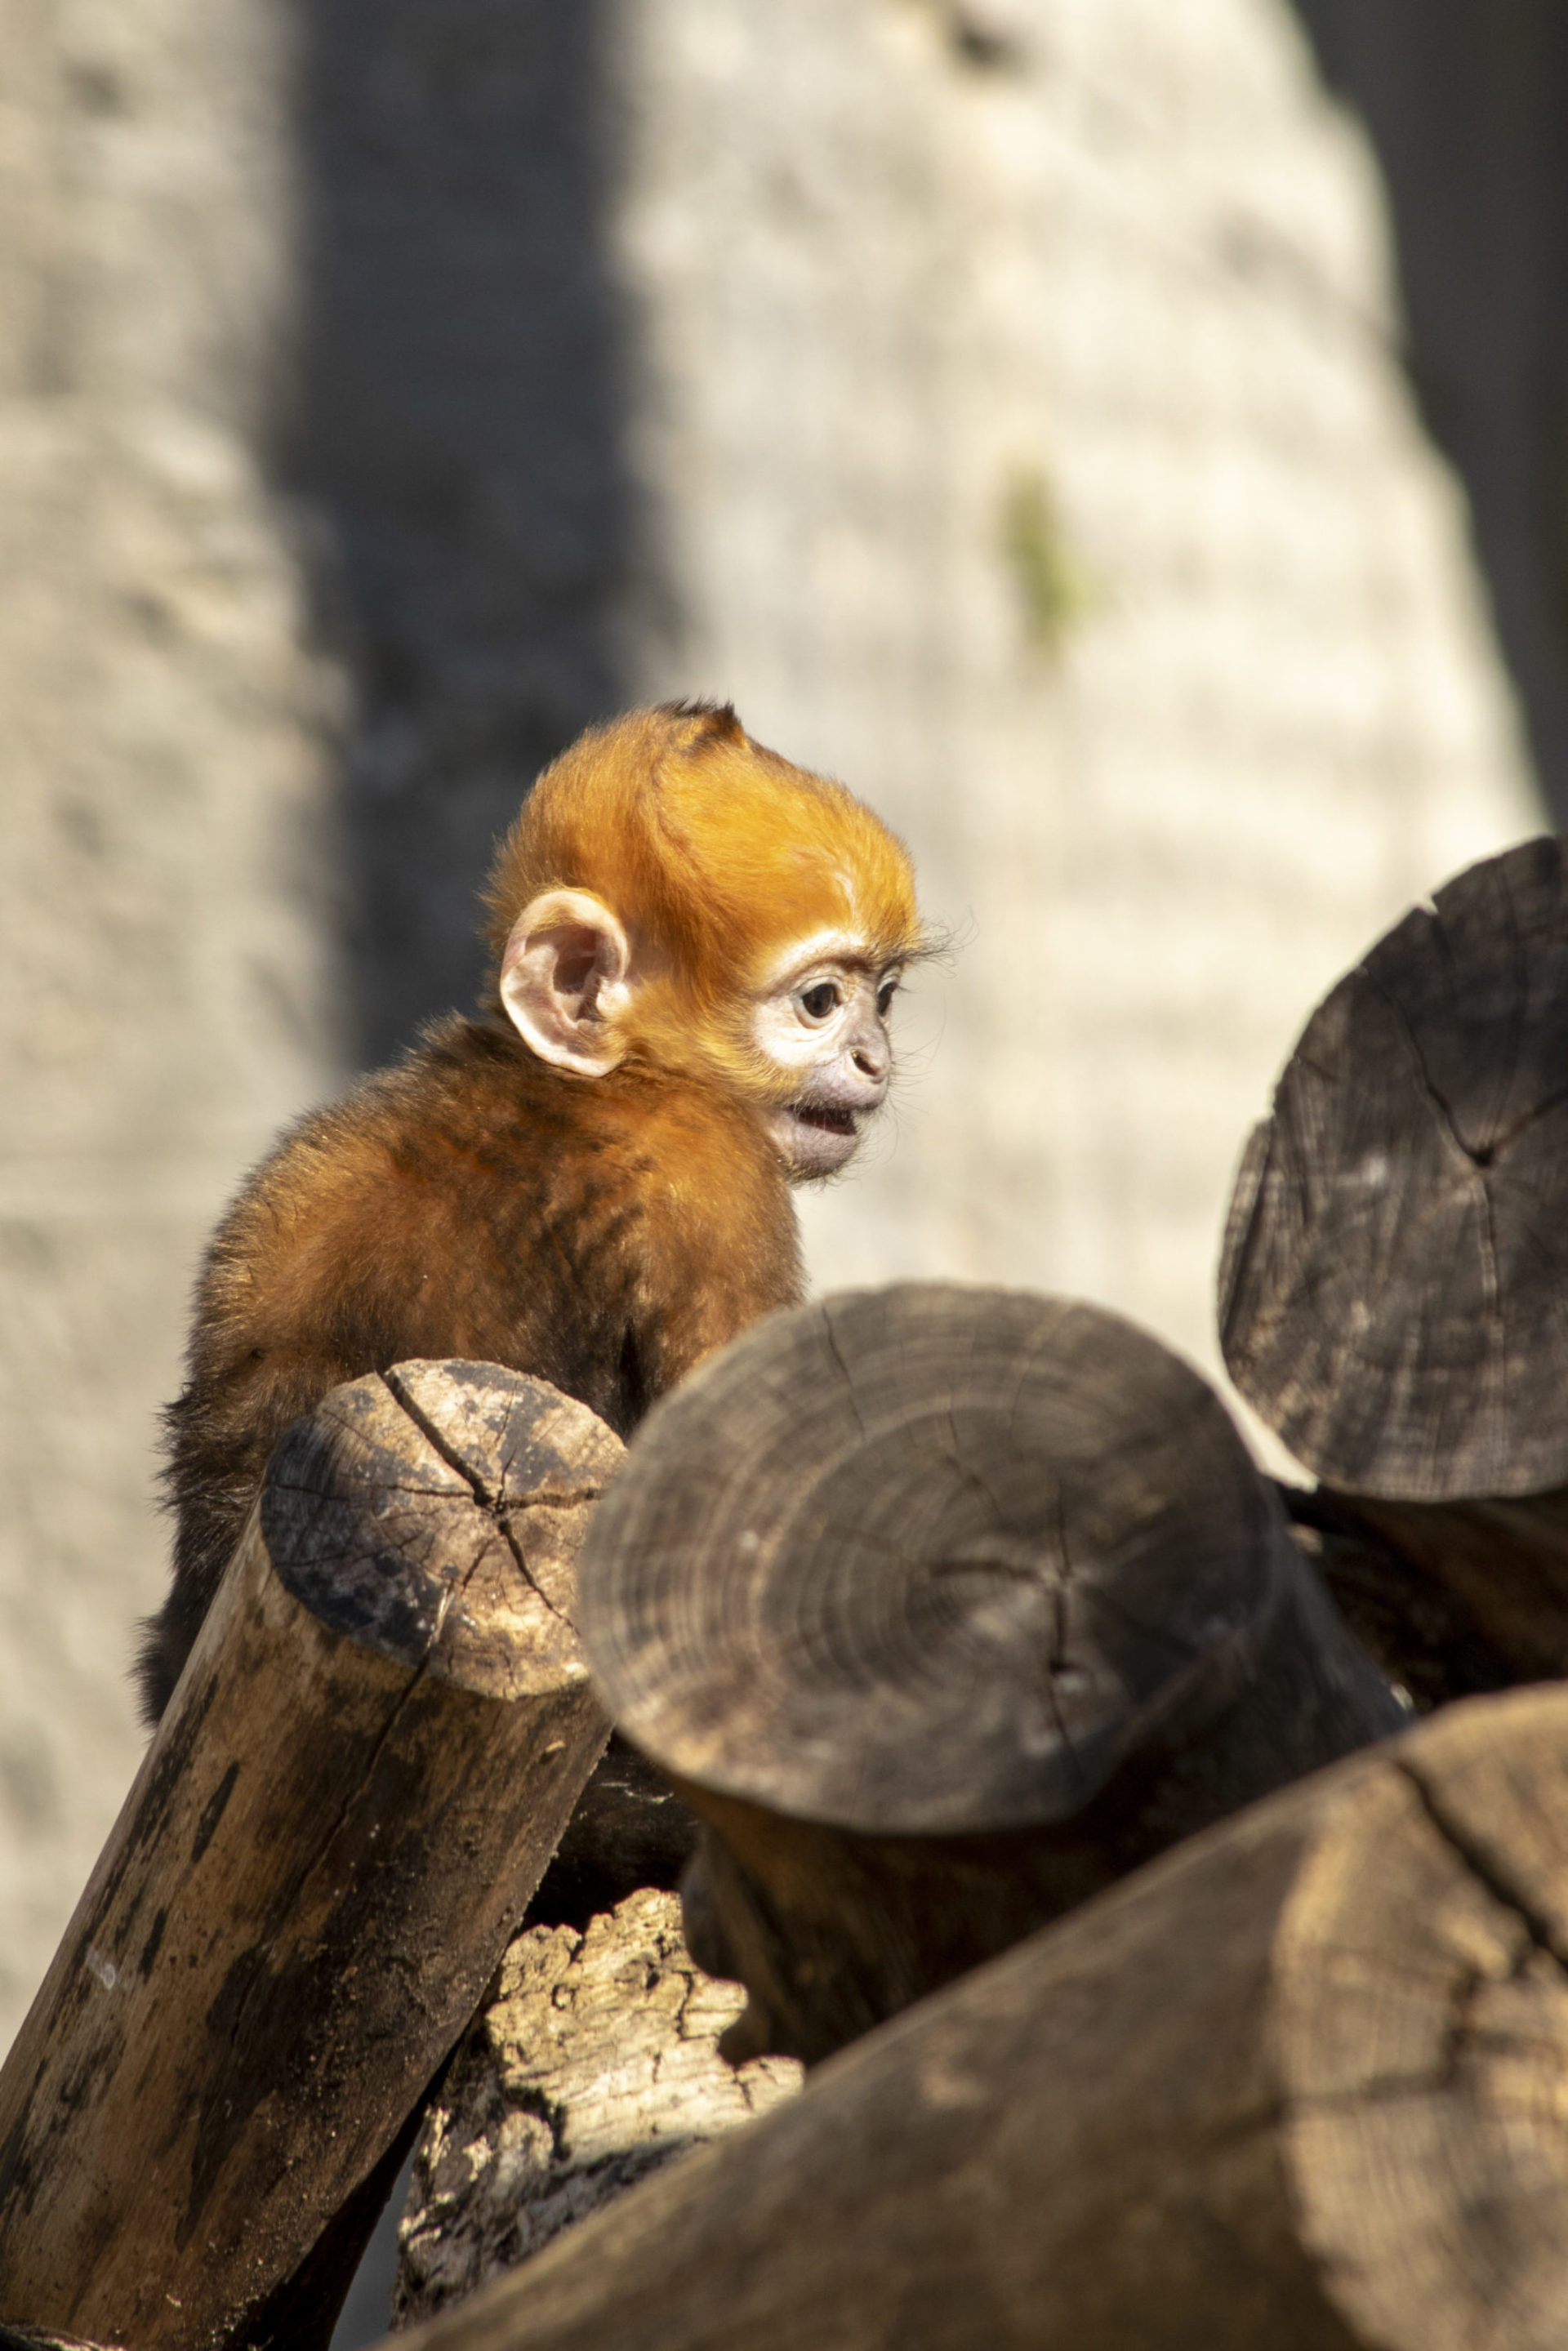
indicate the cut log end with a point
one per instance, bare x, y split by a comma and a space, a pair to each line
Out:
1394, 1283
947, 1608
928, 1559
476, 1487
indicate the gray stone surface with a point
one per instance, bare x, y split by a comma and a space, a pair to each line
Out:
1002, 402
593, 2061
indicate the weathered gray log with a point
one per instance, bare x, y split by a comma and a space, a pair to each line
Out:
1299, 2083
1394, 1289
369, 1761
945, 1608
593, 2061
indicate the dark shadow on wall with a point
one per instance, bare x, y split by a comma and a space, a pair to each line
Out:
1465, 103
457, 419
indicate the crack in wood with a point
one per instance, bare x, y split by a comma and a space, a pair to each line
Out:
496, 1506
1480, 1864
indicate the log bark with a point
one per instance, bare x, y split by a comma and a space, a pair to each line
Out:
1301, 2083
945, 1608
1394, 1287
593, 2061
368, 1762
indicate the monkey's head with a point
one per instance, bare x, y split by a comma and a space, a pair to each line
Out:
675, 894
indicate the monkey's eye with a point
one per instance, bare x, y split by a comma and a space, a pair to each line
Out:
884, 996
820, 999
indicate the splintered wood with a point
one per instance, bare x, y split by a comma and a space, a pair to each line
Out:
593, 2063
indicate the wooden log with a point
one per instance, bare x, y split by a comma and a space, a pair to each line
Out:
945, 1608
369, 1758
1452, 1599
1394, 1287
1299, 2083
1393, 1294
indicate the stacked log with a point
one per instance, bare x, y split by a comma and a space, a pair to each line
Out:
945, 1608
1301, 2083
1394, 1287
949, 1613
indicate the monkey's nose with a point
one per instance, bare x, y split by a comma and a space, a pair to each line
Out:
872, 1058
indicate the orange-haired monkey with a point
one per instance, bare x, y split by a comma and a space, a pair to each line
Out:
695, 947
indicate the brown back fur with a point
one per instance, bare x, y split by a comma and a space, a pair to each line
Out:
602, 1233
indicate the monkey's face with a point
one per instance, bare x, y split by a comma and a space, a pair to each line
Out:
821, 1026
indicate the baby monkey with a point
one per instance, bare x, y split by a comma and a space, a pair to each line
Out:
695, 947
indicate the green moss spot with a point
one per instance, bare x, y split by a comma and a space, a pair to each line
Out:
1054, 591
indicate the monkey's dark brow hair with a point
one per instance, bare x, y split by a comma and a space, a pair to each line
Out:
703, 706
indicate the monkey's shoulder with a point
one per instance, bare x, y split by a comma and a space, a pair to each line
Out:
465, 1146
664, 1134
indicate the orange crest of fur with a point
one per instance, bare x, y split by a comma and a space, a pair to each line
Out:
716, 854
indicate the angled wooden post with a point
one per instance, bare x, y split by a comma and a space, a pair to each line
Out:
369, 1761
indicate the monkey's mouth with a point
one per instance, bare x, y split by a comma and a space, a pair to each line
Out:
825, 1115
815, 1138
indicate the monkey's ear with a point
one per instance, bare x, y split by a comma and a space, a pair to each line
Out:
565, 981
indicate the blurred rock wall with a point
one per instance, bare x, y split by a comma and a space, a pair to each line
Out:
1020, 406
169, 882
1467, 104
1004, 406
